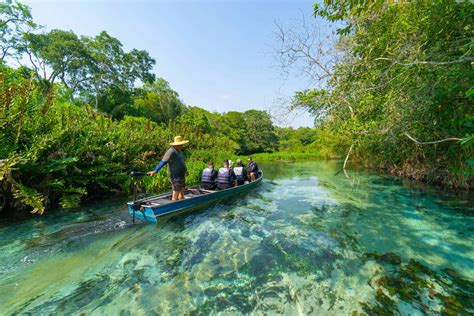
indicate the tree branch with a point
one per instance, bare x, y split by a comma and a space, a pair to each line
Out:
3, 23
427, 62
347, 157
33, 63
433, 142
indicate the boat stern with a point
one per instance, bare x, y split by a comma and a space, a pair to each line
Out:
145, 214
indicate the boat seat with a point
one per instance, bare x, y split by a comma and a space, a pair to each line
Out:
207, 191
157, 202
196, 192
192, 194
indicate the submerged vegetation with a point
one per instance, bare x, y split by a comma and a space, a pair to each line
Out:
306, 242
79, 112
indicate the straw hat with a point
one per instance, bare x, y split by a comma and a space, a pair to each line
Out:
178, 140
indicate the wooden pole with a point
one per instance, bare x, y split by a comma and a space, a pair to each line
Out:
347, 157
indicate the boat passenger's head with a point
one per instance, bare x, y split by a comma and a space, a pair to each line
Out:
210, 164
226, 163
239, 162
249, 159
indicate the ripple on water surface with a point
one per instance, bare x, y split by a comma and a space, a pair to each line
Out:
305, 242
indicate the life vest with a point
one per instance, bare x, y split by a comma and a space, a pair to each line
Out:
224, 177
239, 172
208, 176
253, 167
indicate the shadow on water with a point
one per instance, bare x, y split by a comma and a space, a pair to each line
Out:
305, 242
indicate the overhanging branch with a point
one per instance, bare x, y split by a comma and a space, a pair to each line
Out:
433, 142
427, 62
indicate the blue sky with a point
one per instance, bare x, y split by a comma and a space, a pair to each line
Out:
215, 54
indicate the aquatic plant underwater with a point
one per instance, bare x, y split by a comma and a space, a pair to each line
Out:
306, 242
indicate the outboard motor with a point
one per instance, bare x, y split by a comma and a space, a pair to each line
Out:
137, 176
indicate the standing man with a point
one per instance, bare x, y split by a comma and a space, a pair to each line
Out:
177, 171
252, 169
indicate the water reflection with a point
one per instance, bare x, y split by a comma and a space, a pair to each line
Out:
305, 242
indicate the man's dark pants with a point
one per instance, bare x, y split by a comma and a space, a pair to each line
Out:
177, 184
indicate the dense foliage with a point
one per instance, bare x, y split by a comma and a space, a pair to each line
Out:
400, 86
80, 113
57, 153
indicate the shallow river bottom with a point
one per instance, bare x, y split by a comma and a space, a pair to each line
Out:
306, 242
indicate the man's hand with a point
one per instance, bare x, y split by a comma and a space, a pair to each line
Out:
151, 173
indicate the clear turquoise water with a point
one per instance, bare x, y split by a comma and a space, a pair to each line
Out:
306, 242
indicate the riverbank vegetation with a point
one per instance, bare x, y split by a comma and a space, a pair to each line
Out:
78, 113
57, 153
395, 85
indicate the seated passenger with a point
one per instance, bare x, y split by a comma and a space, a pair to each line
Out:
252, 169
240, 173
225, 177
209, 176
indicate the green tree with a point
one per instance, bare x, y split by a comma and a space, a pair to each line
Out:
57, 55
158, 102
295, 140
403, 74
15, 20
114, 72
96, 69
232, 124
259, 135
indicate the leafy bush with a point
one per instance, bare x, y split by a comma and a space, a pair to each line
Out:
57, 153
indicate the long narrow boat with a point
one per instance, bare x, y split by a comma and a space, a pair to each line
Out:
151, 208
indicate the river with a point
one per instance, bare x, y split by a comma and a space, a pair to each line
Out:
307, 241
